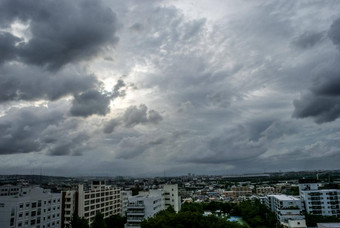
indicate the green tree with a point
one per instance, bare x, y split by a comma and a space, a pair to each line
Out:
312, 220
77, 222
115, 221
99, 221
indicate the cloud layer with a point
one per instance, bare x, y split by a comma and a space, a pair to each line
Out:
124, 88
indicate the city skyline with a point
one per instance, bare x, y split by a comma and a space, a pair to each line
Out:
137, 88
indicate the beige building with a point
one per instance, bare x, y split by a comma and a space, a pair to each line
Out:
98, 197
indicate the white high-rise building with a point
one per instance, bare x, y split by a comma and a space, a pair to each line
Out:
143, 206
124, 198
31, 207
171, 198
285, 207
86, 203
324, 202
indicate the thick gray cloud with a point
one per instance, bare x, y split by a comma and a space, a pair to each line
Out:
60, 33
223, 78
110, 126
323, 101
308, 39
19, 82
131, 147
21, 129
321, 108
93, 101
41, 129
89, 103
134, 115
7, 46
118, 89
334, 32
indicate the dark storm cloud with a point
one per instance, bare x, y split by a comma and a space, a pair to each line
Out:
21, 129
242, 142
117, 89
322, 102
7, 46
134, 115
321, 108
308, 39
40, 129
90, 102
69, 146
94, 101
110, 126
61, 32
334, 32
29, 83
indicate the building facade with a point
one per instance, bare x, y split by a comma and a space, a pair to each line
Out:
324, 202
171, 197
285, 207
124, 198
31, 207
143, 206
86, 203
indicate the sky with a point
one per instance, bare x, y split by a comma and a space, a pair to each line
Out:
153, 88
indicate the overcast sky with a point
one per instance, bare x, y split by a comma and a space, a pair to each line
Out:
141, 87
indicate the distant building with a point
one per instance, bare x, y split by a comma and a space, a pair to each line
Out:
285, 207
86, 203
237, 191
30, 207
143, 206
265, 190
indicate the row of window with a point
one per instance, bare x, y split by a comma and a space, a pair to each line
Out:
39, 203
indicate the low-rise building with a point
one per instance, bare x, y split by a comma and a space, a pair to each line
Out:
265, 190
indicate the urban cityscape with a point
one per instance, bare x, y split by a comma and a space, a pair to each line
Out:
169, 113
295, 199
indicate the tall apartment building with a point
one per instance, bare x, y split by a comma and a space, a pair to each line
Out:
143, 206
324, 202
171, 197
317, 201
30, 207
86, 203
285, 207
124, 199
